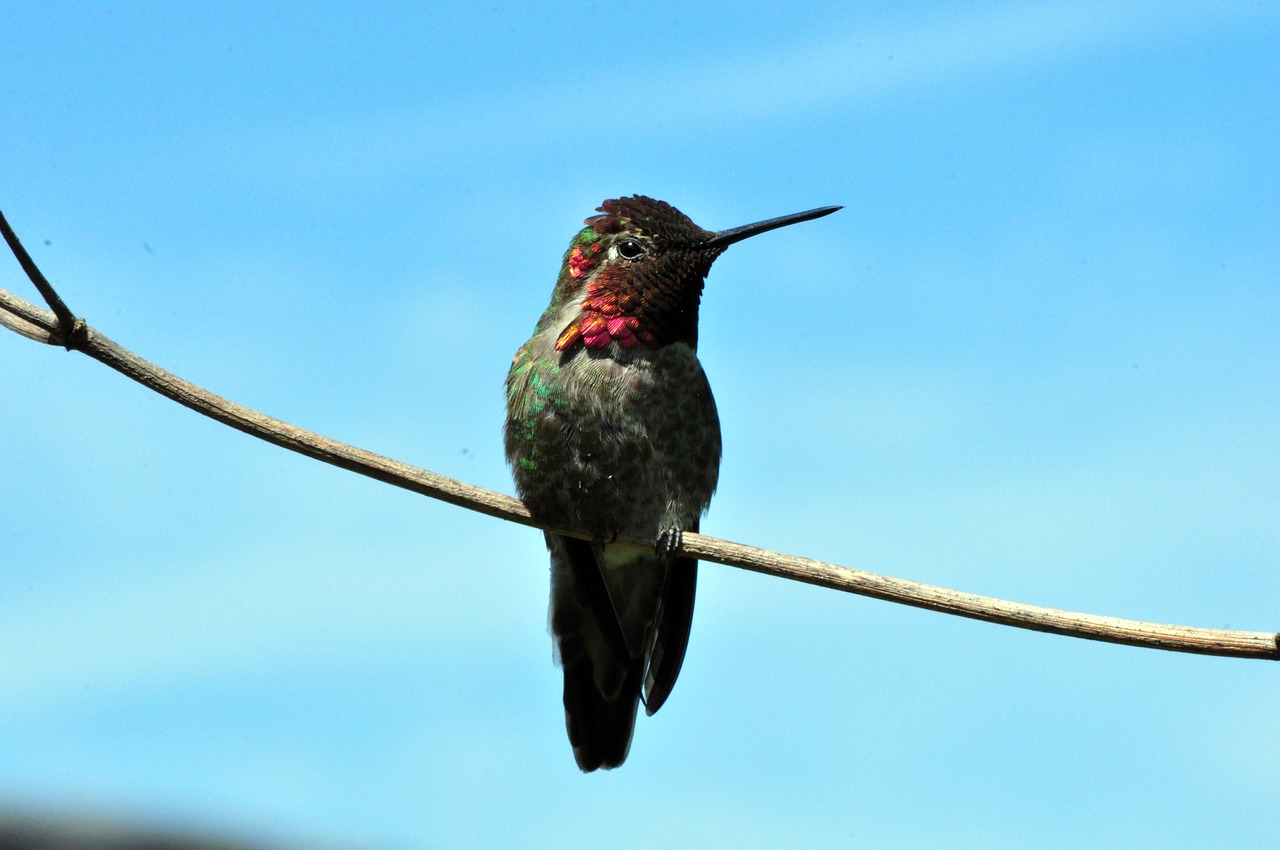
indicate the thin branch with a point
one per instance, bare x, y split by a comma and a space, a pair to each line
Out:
66, 321
43, 326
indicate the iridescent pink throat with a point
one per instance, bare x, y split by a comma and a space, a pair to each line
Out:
608, 310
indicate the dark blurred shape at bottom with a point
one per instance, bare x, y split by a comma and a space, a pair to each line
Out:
31, 832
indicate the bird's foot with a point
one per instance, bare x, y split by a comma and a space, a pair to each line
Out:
669, 542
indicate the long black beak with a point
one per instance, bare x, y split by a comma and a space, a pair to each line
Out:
725, 238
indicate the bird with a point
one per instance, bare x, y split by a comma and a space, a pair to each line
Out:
611, 430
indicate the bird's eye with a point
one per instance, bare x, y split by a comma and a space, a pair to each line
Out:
630, 249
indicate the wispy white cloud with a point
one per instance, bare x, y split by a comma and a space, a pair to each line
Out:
835, 71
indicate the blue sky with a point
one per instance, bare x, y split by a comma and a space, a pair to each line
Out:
1036, 356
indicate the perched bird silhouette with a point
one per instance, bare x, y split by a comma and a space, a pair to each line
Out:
611, 429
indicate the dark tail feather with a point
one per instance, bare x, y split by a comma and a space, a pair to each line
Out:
675, 617
599, 728
591, 584
601, 680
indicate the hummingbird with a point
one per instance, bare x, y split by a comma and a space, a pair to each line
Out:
611, 429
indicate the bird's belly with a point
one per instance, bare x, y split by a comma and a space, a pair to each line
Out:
625, 447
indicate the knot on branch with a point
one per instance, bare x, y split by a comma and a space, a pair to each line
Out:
73, 338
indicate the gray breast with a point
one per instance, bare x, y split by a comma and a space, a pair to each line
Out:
631, 440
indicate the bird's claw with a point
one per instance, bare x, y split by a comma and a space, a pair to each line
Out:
669, 542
